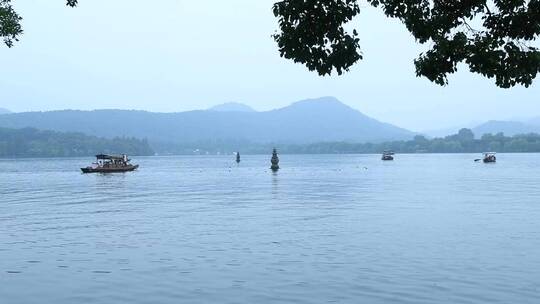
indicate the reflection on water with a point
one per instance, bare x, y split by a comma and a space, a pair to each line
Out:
345, 229
275, 181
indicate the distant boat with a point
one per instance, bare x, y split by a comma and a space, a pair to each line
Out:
388, 155
237, 157
490, 157
110, 164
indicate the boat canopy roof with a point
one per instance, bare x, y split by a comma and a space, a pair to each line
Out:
490, 153
388, 152
109, 157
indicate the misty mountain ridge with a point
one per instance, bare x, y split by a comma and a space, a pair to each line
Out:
232, 107
4, 111
509, 128
534, 121
309, 121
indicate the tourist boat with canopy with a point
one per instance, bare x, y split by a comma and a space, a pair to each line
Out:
490, 157
110, 164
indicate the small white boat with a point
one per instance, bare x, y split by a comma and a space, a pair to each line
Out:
388, 155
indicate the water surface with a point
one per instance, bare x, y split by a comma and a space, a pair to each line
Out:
325, 229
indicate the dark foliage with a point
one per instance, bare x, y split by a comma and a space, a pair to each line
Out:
493, 37
312, 33
10, 27
35, 143
10, 21
499, 48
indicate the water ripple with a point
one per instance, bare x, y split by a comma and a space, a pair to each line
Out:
423, 229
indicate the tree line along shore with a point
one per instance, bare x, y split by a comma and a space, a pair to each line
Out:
30, 143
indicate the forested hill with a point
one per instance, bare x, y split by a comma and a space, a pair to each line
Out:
30, 142
310, 121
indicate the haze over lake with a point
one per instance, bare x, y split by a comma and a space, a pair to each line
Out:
326, 228
140, 148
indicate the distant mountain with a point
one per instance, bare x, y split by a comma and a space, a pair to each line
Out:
309, 121
509, 128
534, 121
439, 133
4, 111
327, 119
232, 107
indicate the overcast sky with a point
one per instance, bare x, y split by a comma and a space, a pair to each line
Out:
177, 55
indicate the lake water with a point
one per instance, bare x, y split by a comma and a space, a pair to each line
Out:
325, 229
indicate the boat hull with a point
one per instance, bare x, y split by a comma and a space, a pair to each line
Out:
110, 170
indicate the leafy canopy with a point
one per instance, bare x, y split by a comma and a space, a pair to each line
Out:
10, 22
494, 38
10, 27
311, 32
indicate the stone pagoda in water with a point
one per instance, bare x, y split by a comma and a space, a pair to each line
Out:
275, 161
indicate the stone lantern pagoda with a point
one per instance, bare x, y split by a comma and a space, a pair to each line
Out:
275, 161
